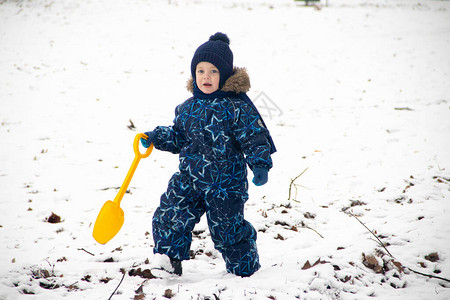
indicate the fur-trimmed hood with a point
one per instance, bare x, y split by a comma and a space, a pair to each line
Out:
239, 82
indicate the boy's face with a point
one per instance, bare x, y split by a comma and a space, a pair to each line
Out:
207, 77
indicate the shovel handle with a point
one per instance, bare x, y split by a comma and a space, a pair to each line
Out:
137, 158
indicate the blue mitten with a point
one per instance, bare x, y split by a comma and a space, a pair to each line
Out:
150, 138
261, 176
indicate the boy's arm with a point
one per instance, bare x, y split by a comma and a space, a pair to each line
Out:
169, 138
252, 137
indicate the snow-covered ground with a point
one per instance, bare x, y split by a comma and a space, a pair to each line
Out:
360, 91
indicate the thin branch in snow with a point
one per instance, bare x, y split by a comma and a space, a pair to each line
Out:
123, 271
292, 184
379, 241
82, 249
313, 230
428, 275
53, 268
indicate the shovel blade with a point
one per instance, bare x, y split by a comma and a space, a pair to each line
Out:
109, 221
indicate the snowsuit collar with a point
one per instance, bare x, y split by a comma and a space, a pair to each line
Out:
236, 86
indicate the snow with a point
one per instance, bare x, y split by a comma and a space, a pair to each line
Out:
363, 92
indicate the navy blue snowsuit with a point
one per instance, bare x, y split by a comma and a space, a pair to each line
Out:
216, 136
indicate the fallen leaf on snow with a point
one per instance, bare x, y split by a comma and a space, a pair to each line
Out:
168, 293
306, 266
54, 218
433, 257
141, 273
371, 262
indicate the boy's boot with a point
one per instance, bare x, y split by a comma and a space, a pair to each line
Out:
176, 265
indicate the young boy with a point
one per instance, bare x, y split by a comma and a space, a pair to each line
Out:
217, 133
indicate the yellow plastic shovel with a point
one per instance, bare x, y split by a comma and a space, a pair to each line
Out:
110, 218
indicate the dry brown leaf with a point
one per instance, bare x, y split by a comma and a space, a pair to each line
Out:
306, 266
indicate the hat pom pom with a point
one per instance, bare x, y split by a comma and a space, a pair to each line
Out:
219, 36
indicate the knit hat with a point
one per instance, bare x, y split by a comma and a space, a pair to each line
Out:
216, 51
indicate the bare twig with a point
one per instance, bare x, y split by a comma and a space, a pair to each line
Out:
428, 275
381, 244
313, 230
53, 267
379, 241
124, 273
82, 249
292, 184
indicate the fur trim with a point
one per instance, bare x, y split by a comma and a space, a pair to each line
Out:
239, 82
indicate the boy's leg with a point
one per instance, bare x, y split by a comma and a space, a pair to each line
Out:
175, 218
233, 236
